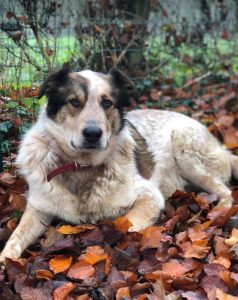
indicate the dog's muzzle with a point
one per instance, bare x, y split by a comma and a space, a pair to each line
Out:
91, 139
92, 134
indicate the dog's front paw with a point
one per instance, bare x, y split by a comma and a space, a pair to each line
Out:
138, 226
12, 250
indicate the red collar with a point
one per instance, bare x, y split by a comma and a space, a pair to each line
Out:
67, 167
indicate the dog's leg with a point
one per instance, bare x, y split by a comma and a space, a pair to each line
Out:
204, 163
146, 208
33, 223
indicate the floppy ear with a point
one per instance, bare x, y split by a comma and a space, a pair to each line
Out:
54, 79
125, 87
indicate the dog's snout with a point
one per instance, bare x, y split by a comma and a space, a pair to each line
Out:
92, 134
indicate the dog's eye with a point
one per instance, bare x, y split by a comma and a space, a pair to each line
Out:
74, 102
106, 103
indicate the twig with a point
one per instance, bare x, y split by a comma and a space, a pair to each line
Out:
197, 79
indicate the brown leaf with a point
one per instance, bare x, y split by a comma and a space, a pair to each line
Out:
81, 270
196, 295
220, 246
9, 14
63, 290
29, 293
221, 215
6, 179
60, 264
51, 236
17, 201
226, 277
12, 224
22, 19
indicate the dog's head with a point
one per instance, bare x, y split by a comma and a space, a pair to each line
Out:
87, 106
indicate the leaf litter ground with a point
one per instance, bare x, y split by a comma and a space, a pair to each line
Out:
192, 253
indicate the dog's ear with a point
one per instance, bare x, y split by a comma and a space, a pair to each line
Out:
54, 79
125, 86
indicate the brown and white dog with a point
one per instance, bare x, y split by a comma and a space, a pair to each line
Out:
86, 160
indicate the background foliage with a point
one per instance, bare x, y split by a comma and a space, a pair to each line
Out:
161, 45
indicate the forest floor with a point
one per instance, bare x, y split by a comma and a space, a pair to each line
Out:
192, 253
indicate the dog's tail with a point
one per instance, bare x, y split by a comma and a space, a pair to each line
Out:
234, 165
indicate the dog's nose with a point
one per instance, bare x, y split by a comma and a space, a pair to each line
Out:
92, 134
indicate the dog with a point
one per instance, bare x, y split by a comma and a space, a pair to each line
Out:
87, 160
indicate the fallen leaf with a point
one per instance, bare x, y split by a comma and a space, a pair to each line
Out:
81, 270
45, 274
62, 291
60, 264
224, 261
151, 237
224, 296
29, 293
68, 229
123, 293
198, 249
197, 233
95, 254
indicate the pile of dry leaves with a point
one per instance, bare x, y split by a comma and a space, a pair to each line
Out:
191, 254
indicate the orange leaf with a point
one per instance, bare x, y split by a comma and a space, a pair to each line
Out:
222, 261
122, 224
62, 291
198, 249
44, 274
233, 239
81, 270
95, 254
123, 293
60, 264
176, 268
151, 237
196, 233
68, 229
